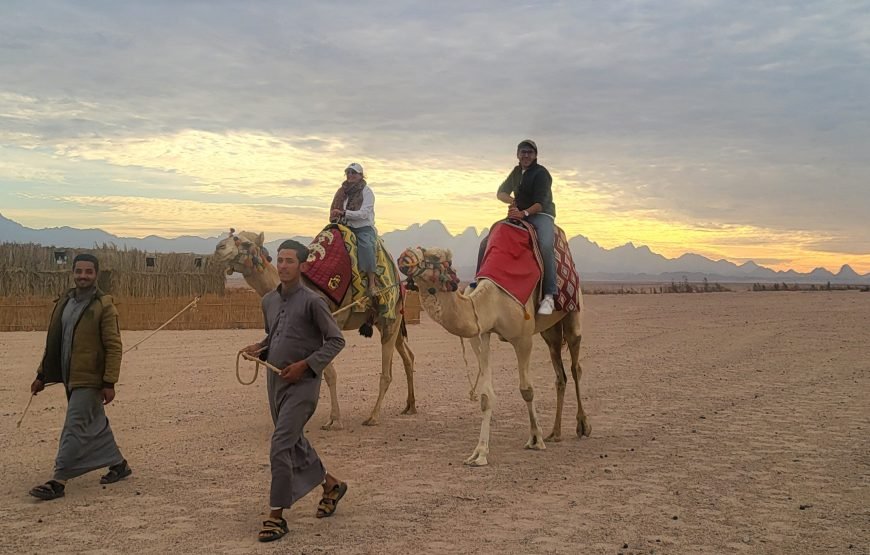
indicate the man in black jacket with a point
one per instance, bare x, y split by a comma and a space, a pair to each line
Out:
528, 191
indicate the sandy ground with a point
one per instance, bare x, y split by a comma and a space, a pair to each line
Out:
722, 423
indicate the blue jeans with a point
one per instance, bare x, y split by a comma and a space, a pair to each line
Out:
546, 228
366, 242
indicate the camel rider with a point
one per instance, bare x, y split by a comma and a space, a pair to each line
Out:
528, 191
354, 205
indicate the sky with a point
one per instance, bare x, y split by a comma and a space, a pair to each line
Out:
735, 130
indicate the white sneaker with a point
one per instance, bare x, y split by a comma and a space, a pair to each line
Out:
547, 306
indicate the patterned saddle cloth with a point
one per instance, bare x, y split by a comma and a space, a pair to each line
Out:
513, 261
332, 268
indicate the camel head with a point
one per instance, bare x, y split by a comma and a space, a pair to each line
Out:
430, 269
243, 252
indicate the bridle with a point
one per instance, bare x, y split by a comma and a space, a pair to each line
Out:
415, 264
250, 257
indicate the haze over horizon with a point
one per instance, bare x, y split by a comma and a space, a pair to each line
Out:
730, 130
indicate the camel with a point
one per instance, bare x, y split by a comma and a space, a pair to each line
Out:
235, 250
478, 313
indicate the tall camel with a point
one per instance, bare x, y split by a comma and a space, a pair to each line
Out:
237, 252
485, 310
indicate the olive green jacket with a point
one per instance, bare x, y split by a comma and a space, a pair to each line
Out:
96, 347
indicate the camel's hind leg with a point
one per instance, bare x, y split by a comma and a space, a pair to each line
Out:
523, 347
331, 377
573, 334
487, 400
408, 362
553, 338
388, 343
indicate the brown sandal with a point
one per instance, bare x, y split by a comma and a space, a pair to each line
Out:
273, 529
330, 500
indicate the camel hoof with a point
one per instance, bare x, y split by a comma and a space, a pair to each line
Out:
536, 443
554, 437
332, 426
410, 410
584, 428
370, 422
476, 460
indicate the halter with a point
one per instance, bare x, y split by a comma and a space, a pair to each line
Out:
415, 264
250, 258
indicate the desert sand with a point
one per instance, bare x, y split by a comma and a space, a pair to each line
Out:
721, 423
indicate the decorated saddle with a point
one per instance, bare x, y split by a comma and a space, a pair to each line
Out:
332, 268
513, 261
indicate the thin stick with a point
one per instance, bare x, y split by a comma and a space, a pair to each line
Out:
363, 299
177, 314
23, 414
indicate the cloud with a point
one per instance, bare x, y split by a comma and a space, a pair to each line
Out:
748, 114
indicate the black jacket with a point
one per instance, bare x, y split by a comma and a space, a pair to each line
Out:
534, 186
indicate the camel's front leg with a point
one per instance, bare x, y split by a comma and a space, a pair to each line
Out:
523, 348
331, 377
386, 372
487, 399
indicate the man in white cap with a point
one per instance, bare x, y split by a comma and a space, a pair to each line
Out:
354, 202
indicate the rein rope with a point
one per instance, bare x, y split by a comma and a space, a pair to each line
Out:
257, 362
416, 265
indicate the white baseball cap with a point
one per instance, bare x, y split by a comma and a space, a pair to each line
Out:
355, 167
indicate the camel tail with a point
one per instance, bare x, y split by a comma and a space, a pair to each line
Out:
366, 330
404, 330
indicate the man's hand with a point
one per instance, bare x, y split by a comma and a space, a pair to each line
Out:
252, 349
37, 386
294, 372
335, 214
515, 214
108, 394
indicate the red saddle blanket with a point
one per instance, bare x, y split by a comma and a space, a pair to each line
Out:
512, 260
329, 267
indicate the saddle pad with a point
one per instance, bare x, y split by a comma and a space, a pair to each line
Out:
510, 261
567, 279
329, 266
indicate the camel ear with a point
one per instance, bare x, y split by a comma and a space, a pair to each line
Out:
260, 239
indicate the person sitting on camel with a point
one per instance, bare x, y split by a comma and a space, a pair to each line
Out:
528, 191
354, 206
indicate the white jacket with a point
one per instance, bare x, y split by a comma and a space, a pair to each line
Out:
365, 216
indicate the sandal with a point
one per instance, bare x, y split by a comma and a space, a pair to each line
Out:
330, 500
52, 489
273, 529
116, 473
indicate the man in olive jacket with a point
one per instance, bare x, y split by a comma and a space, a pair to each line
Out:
83, 351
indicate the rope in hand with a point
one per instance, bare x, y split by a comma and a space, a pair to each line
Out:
257, 362
191, 304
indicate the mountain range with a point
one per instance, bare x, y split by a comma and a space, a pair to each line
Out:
624, 263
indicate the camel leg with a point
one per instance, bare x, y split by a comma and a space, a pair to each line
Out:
523, 348
408, 362
480, 346
331, 377
553, 338
388, 338
572, 332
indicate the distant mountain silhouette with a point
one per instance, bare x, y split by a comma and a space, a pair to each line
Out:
624, 263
